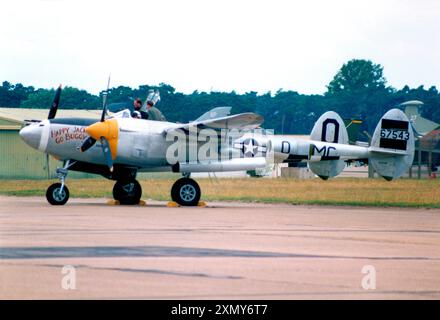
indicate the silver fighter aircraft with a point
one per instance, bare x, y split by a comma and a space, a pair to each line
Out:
119, 146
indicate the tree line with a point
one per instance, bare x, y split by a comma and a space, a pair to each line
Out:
359, 90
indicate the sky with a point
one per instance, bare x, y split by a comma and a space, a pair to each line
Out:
216, 45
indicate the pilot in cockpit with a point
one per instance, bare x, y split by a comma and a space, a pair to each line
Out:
137, 105
148, 109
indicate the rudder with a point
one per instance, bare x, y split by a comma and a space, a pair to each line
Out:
329, 128
392, 145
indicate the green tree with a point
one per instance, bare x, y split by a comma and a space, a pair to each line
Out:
71, 98
359, 90
12, 95
357, 76
40, 99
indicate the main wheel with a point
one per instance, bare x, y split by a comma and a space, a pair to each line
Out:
55, 196
127, 192
186, 192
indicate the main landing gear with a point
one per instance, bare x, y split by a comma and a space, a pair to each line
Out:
186, 192
127, 192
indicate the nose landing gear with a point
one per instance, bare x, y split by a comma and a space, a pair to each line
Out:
58, 193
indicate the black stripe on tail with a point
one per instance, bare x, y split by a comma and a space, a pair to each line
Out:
394, 134
394, 124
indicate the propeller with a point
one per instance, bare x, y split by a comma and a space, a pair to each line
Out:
106, 131
90, 141
55, 104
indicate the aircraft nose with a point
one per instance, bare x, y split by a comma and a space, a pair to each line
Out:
31, 134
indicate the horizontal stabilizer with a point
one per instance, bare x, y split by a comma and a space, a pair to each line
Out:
388, 151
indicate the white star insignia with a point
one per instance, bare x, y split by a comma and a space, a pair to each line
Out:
250, 148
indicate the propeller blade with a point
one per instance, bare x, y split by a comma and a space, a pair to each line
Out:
55, 104
107, 153
104, 102
87, 144
104, 107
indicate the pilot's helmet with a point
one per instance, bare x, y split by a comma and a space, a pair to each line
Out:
136, 114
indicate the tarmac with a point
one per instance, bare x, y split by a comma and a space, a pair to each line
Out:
88, 249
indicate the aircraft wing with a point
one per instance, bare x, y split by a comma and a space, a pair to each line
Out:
242, 121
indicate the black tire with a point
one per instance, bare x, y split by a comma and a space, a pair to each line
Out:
186, 192
54, 197
127, 192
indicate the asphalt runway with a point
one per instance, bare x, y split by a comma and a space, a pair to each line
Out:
222, 251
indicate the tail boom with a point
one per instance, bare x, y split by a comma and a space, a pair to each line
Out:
391, 151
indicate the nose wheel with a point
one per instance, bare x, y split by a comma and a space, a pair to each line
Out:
127, 192
186, 192
57, 194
